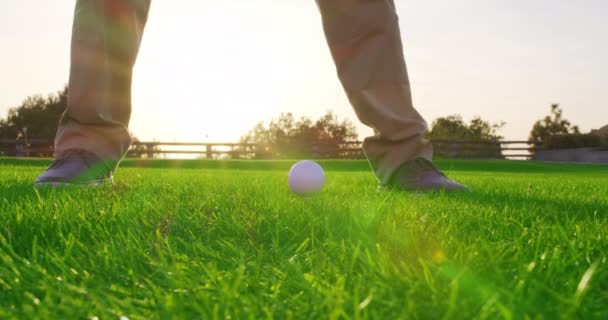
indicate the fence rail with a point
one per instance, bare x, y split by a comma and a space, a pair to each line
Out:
510, 149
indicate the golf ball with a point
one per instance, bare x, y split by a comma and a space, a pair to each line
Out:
306, 177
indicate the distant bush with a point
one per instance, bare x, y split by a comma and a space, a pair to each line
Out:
552, 125
454, 127
40, 115
287, 137
571, 141
477, 139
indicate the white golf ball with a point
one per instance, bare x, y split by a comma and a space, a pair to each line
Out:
306, 177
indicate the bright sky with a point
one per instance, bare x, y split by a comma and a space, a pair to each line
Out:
210, 69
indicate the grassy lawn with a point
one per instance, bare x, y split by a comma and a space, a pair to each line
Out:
227, 239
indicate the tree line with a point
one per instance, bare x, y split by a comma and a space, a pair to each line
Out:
286, 136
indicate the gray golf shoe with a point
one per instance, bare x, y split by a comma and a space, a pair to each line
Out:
76, 167
423, 176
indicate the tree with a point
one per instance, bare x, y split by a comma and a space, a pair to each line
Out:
469, 135
287, 137
38, 114
552, 125
555, 132
454, 127
37, 118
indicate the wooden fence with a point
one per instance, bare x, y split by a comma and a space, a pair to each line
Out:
30, 148
520, 150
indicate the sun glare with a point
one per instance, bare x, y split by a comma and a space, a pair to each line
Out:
200, 84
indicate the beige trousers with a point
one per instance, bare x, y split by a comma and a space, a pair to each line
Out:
364, 39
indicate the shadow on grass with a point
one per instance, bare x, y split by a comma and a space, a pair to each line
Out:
534, 208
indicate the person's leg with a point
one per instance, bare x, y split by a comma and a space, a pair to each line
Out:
365, 42
105, 41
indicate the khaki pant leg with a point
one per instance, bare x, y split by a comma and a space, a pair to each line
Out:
105, 41
365, 42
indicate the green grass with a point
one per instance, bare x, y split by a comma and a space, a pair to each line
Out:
226, 239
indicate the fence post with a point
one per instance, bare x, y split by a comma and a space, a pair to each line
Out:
149, 151
453, 149
208, 151
498, 150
